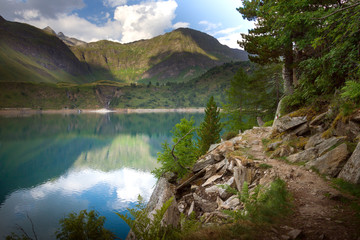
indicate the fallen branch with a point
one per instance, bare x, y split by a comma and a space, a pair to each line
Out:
172, 151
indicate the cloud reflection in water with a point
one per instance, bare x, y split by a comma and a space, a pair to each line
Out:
74, 191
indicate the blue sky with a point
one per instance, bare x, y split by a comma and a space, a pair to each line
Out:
130, 20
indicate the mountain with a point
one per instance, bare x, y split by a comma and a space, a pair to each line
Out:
30, 54
67, 40
177, 56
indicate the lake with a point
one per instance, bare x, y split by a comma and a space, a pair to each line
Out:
53, 164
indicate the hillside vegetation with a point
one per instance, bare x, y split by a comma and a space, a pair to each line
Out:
176, 56
29, 54
110, 94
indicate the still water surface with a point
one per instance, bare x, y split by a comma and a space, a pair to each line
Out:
51, 165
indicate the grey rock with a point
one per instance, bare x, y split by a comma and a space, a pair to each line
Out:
205, 205
294, 234
314, 141
304, 156
203, 162
351, 170
285, 123
191, 209
273, 146
329, 143
213, 146
331, 162
300, 130
212, 179
163, 191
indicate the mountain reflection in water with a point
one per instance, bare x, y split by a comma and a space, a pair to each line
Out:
51, 165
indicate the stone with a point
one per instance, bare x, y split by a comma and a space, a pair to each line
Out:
236, 140
351, 170
212, 179
350, 129
300, 130
314, 141
283, 151
332, 162
231, 203
191, 209
205, 205
303, 156
203, 162
164, 191
225, 147
240, 177
213, 146
273, 146
318, 119
325, 145
286, 123
294, 234
210, 171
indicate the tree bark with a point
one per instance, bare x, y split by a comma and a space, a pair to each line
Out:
287, 72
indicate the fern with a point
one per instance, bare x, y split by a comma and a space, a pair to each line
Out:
143, 226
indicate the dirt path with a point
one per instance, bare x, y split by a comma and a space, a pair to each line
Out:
320, 211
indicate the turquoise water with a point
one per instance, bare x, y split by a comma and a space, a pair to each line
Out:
51, 165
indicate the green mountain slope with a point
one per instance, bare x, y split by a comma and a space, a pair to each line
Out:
109, 94
30, 54
178, 56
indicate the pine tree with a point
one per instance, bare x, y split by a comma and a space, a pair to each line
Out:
210, 128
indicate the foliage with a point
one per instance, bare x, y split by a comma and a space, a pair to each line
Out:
317, 40
209, 130
251, 96
85, 225
340, 184
144, 227
351, 91
229, 135
183, 148
262, 205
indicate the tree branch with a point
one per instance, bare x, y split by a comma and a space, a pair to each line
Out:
172, 151
32, 226
339, 10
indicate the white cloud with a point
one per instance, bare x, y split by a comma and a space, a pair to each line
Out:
230, 40
181, 25
146, 20
44, 8
28, 14
210, 26
114, 3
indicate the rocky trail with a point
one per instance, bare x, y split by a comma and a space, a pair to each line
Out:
320, 211
307, 153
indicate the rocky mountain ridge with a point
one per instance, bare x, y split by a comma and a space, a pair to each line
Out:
70, 41
296, 149
180, 55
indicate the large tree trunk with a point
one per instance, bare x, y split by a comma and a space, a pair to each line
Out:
288, 70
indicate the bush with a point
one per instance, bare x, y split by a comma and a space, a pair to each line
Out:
229, 135
183, 149
85, 225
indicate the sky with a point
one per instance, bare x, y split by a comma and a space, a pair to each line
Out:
130, 20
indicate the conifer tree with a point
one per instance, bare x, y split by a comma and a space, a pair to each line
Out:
210, 128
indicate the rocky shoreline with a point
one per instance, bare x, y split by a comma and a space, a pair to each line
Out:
299, 150
17, 112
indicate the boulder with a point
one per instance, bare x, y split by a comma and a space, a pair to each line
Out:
351, 170
212, 179
203, 162
331, 162
350, 129
319, 119
203, 204
300, 130
283, 151
329, 143
285, 123
314, 141
273, 146
164, 191
304, 156
226, 147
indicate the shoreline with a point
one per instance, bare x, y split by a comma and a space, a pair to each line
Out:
15, 112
